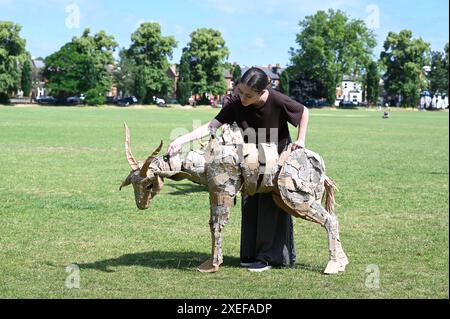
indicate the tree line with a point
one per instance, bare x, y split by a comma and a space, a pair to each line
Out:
329, 45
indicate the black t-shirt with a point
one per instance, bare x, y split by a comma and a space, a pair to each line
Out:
264, 124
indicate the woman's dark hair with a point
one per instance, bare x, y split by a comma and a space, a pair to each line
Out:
256, 79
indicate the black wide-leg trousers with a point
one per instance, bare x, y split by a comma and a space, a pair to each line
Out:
266, 232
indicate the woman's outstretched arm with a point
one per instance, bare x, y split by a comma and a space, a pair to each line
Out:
196, 134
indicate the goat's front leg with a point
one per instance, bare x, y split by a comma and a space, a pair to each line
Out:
220, 205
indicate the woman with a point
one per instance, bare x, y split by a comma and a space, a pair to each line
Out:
267, 232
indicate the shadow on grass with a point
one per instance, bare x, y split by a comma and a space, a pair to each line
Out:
312, 268
439, 173
157, 259
187, 261
181, 189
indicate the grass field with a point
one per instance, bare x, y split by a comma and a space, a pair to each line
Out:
60, 170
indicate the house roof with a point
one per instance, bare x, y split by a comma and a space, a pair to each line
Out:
38, 63
110, 68
227, 74
267, 70
172, 70
347, 78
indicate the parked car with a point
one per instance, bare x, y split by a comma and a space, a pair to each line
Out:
315, 103
127, 101
347, 104
173, 101
75, 100
48, 100
111, 100
159, 101
363, 104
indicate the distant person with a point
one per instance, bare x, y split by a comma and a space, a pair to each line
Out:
422, 103
427, 101
434, 102
439, 102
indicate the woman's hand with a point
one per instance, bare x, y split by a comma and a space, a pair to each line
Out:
174, 147
298, 144
199, 132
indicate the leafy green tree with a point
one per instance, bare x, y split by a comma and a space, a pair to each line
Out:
184, 85
125, 74
12, 56
65, 71
284, 82
439, 71
331, 45
80, 67
25, 81
206, 53
404, 59
149, 53
372, 83
237, 72
446, 55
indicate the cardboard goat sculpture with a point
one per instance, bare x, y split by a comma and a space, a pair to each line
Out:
226, 166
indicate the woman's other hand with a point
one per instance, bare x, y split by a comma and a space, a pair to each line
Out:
298, 144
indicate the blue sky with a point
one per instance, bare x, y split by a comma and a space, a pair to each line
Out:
257, 32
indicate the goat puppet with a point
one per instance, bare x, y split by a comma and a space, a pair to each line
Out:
226, 166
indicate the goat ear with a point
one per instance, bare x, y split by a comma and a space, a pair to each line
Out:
159, 184
176, 176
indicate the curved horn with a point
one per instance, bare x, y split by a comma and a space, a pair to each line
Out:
149, 159
125, 183
134, 165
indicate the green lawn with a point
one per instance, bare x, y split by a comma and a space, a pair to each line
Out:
60, 170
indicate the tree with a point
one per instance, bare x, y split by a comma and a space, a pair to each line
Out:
25, 82
237, 72
439, 71
284, 82
68, 71
372, 83
302, 86
446, 55
12, 56
206, 53
404, 59
184, 85
125, 74
80, 67
331, 45
149, 53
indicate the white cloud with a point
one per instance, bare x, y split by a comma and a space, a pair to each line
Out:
258, 43
271, 5
179, 30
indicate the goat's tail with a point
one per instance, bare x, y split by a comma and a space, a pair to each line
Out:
330, 201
